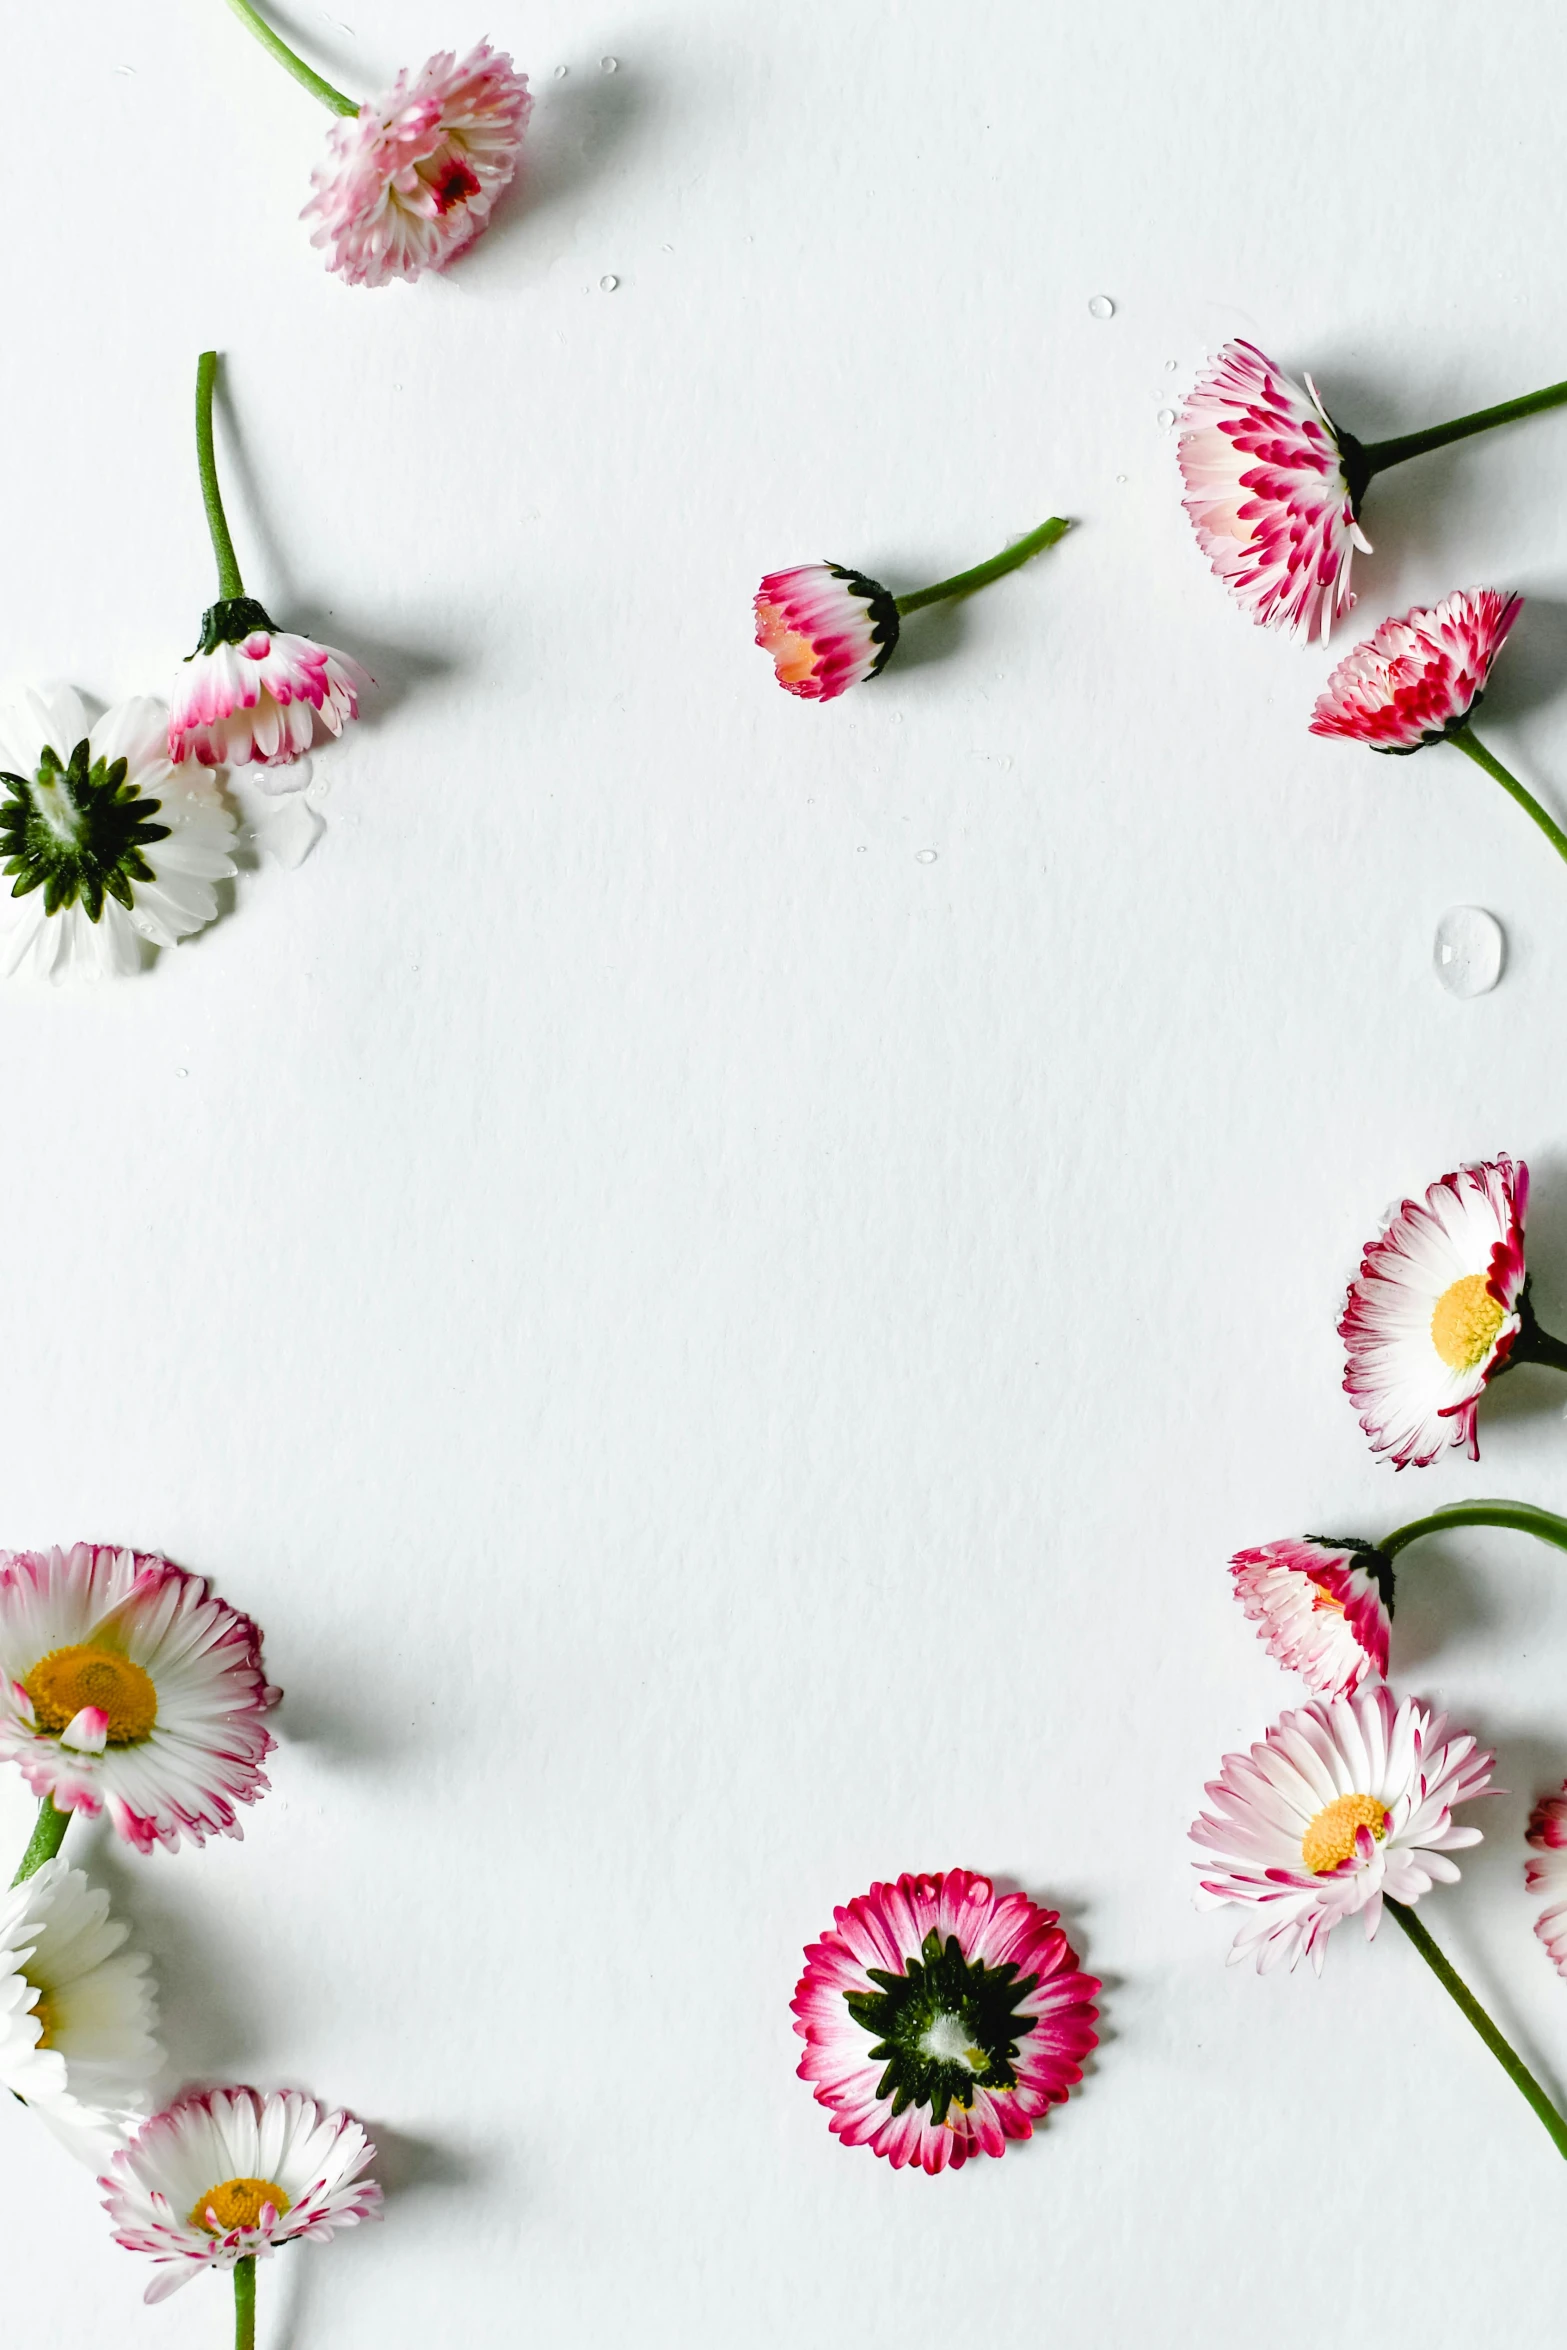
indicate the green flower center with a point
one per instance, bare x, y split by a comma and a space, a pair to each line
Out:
946, 2027
77, 832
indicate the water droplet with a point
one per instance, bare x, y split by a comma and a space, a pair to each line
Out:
1120, 477
1169, 367
610, 64
924, 856
1467, 951
561, 72
607, 285
289, 836
1166, 419
182, 1072
1101, 306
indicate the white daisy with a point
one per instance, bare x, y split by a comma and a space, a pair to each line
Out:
76, 2011
1342, 1803
217, 2179
1439, 1308
104, 842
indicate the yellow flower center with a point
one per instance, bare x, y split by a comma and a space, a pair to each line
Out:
65, 1680
794, 654
1331, 1836
1465, 1322
237, 2204
43, 2009
1324, 1600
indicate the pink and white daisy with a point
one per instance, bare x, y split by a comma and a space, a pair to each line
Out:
1343, 1804
942, 2019
410, 180
1547, 1873
1439, 1310
252, 692
77, 2011
826, 627
126, 1686
1272, 490
221, 2178
1324, 1608
1417, 679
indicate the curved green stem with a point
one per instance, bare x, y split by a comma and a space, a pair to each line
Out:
245, 2303
1520, 1516
1502, 2049
963, 583
1473, 748
1381, 454
47, 1837
229, 581
295, 65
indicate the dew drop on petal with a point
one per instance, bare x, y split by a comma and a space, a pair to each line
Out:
1467, 952
607, 285
1166, 419
924, 856
1100, 306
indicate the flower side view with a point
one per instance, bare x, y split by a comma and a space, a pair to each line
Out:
221, 2180
77, 2012
1323, 1607
126, 1686
942, 2019
1419, 680
1546, 1873
1274, 487
251, 692
827, 627
106, 844
1439, 1309
411, 177
1343, 1805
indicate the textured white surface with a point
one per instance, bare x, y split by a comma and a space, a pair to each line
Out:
729, 1359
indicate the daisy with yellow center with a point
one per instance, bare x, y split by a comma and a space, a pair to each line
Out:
222, 2180
1439, 1308
126, 1686
1343, 1804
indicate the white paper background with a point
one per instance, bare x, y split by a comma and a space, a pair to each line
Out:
729, 1359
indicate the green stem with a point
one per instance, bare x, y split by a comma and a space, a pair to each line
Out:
1381, 454
1505, 2054
963, 583
245, 2303
295, 65
47, 1837
229, 582
1473, 748
1520, 1516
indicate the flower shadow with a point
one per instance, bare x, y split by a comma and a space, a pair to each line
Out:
1439, 1600
578, 126
211, 2035
1532, 672
404, 2165
932, 635
1529, 1389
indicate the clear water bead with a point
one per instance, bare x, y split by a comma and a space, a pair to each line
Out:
924, 856
1166, 420
1468, 949
1169, 366
561, 72
609, 64
607, 285
1101, 306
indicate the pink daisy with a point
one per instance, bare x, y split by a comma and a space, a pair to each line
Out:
411, 178
252, 692
1439, 1310
126, 1686
219, 2179
1324, 1608
942, 2019
1273, 490
1342, 1804
826, 627
1548, 1873
1417, 679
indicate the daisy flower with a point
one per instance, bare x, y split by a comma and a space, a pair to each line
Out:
1273, 491
410, 177
126, 1686
251, 693
1439, 1309
1274, 487
1418, 680
108, 849
827, 627
76, 2011
942, 2019
1547, 1873
1323, 1608
1344, 1804
218, 2180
